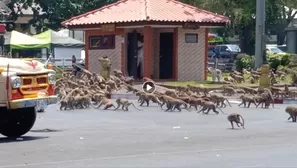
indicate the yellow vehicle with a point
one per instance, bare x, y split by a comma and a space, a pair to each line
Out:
23, 85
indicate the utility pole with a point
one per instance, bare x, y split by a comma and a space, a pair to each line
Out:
260, 54
260, 33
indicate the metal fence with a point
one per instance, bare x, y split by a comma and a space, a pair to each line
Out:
223, 64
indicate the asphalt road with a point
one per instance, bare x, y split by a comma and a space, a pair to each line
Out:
153, 138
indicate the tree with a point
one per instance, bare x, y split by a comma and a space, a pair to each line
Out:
50, 13
287, 12
242, 14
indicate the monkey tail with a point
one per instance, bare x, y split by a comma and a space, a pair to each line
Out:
94, 105
239, 116
228, 102
136, 107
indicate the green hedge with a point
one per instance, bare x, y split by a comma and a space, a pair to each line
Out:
274, 60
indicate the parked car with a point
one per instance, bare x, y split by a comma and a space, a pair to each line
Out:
271, 49
211, 51
283, 48
227, 51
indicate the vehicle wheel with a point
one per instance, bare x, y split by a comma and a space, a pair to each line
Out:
17, 122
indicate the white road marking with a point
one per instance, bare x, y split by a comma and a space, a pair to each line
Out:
235, 101
141, 155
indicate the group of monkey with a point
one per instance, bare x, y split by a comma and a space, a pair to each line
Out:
93, 90
253, 76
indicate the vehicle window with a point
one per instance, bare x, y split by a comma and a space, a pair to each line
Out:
224, 48
275, 50
283, 48
234, 48
217, 49
210, 49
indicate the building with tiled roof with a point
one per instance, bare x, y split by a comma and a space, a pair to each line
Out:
175, 37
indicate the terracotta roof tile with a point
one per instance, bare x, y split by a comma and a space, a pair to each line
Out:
146, 10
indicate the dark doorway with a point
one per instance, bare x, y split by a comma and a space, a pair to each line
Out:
166, 56
132, 54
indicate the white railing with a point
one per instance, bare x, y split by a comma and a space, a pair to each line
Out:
61, 63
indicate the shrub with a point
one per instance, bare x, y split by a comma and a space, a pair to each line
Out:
292, 61
244, 61
275, 60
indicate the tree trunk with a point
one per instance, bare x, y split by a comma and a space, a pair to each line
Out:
281, 38
246, 43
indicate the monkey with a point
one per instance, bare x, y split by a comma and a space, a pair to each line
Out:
67, 103
82, 101
163, 99
130, 88
238, 78
174, 103
171, 93
229, 90
112, 85
292, 111
195, 102
207, 105
247, 99
234, 117
263, 101
125, 103
268, 95
146, 97
219, 100
105, 101
229, 79
248, 90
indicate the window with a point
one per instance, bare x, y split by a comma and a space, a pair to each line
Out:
102, 42
217, 49
224, 48
191, 38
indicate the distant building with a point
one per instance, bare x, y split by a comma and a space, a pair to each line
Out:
76, 34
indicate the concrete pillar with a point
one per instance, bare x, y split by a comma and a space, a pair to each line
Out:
291, 40
147, 51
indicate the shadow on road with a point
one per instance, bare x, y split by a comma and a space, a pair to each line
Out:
45, 130
235, 129
21, 139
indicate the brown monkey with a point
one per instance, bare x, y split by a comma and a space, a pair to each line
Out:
195, 102
106, 102
219, 100
163, 99
174, 103
125, 103
130, 88
268, 96
229, 90
247, 99
82, 101
292, 111
146, 98
171, 93
249, 90
207, 105
234, 117
67, 103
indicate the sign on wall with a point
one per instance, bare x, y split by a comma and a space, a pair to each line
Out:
108, 27
191, 26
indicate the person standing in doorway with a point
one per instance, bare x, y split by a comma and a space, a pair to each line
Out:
140, 57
